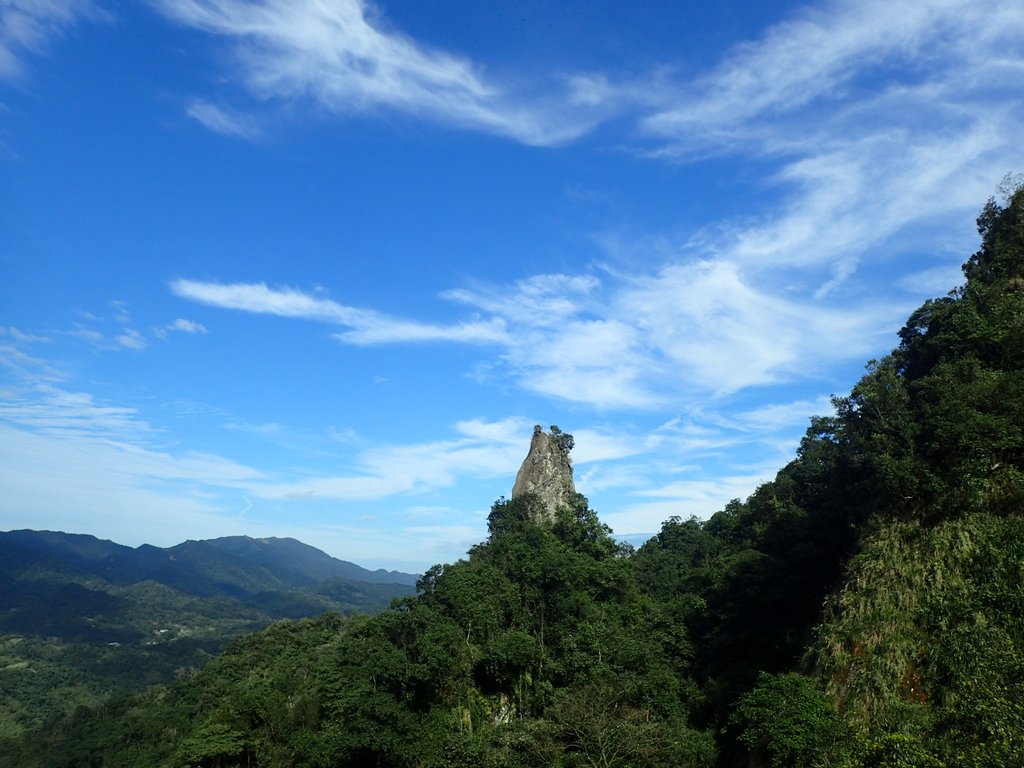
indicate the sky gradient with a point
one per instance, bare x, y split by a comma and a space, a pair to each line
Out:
315, 268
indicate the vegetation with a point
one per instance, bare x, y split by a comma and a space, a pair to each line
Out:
863, 609
82, 619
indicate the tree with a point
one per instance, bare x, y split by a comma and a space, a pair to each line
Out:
789, 723
564, 440
213, 745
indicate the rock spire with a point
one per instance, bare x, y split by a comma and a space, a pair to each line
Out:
547, 470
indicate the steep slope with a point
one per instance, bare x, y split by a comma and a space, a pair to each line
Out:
926, 640
920, 654
922, 651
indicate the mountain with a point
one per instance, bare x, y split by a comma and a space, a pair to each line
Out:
82, 618
56, 582
301, 561
234, 565
863, 609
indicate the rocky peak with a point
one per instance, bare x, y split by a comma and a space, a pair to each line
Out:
547, 470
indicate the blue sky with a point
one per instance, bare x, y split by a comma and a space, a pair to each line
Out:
315, 268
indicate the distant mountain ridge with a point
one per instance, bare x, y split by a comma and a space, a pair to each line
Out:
81, 588
83, 618
233, 566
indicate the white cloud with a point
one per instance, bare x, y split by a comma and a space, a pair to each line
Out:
484, 450
367, 326
121, 312
384, 330
67, 459
698, 497
600, 477
345, 57
28, 26
131, 339
47, 408
127, 338
881, 123
598, 445
690, 329
779, 416
22, 367
504, 431
539, 300
24, 338
866, 113
643, 342
723, 334
592, 89
91, 336
223, 120
69, 483
934, 281
821, 55
186, 326
258, 298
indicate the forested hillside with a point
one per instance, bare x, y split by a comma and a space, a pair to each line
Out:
864, 608
83, 619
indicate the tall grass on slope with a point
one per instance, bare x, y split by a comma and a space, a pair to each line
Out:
927, 638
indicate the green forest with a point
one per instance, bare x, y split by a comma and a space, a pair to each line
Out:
864, 608
83, 620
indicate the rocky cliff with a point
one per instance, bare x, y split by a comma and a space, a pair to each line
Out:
547, 470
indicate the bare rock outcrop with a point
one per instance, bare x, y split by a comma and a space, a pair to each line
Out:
547, 470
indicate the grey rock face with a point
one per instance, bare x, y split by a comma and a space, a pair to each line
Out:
547, 470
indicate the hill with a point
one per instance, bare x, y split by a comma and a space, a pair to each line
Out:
863, 609
82, 618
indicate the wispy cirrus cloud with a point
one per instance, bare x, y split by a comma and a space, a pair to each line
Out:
223, 120
92, 467
480, 449
695, 495
857, 115
839, 53
28, 26
365, 326
688, 330
126, 338
179, 325
861, 113
261, 299
344, 57
631, 342
186, 326
22, 337
131, 339
48, 408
